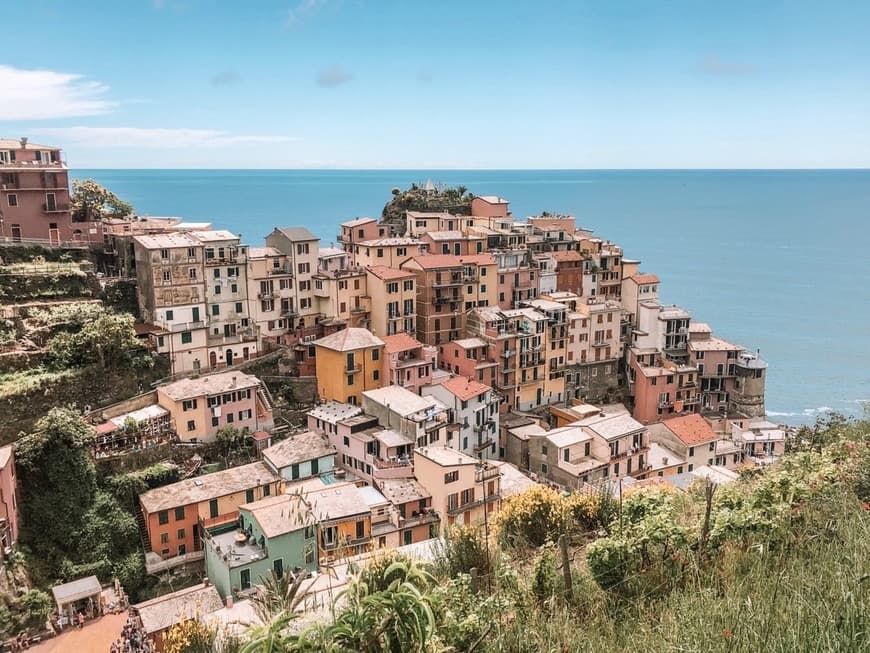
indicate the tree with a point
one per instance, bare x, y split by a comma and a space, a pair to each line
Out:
57, 479
277, 596
92, 202
105, 340
37, 606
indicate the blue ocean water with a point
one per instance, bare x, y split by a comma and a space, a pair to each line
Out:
775, 260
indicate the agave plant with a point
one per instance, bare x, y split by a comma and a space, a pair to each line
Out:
278, 596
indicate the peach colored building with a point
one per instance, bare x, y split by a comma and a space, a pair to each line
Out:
464, 490
393, 300
8, 501
636, 289
492, 326
469, 357
453, 242
518, 280
414, 519
35, 197
421, 222
341, 296
490, 206
201, 406
391, 252
408, 362
716, 360
593, 350
473, 415
177, 515
447, 287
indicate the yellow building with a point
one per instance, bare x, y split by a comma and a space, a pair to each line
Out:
386, 251
348, 362
393, 300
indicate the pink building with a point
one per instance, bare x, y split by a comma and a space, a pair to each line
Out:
35, 196
469, 357
408, 362
8, 501
661, 388
359, 230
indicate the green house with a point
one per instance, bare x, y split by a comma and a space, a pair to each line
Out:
274, 534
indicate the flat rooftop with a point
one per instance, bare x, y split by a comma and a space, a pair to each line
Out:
208, 385
298, 448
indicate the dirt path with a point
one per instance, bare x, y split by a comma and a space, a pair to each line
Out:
95, 637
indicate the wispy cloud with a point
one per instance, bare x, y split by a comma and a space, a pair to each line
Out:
46, 94
301, 10
225, 78
715, 66
333, 76
152, 138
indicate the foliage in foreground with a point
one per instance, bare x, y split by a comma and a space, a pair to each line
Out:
783, 564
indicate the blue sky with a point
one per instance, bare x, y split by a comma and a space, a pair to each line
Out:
446, 84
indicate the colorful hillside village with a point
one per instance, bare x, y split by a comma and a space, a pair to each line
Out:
455, 362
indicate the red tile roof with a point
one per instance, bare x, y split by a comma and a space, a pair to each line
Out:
465, 388
640, 279
386, 272
570, 255
400, 342
691, 429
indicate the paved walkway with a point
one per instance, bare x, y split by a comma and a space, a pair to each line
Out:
95, 637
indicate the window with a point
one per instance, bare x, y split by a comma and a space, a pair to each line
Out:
567, 455
245, 579
179, 513
230, 418
249, 496
451, 477
238, 306
267, 490
186, 337
360, 530
215, 421
169, 315
213, 508
163, 517
543, 468
543, 450
191, 273
315, 466
188, 404
691, 452
586, 449
294, 472
164, 538
346, 441
12, 199
278, 567
376, 354
164, 254
215, 308
191, 425
376, 375
181, 534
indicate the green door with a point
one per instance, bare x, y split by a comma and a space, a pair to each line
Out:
245, 579
278, 566
213, 508
196, 313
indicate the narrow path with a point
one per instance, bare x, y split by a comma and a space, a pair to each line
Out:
95, 637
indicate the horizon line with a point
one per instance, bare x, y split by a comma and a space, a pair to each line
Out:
360, 169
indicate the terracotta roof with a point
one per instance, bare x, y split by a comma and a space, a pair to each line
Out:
400, 342
491, 199
449, 260
640, 279
15, 144
357, 222
386, 272
691, 429
570, 255
350, 339
465, 388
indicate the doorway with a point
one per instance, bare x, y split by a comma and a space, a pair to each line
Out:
229, 357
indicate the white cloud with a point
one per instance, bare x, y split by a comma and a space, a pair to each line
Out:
301, 10
152, 138
45, 94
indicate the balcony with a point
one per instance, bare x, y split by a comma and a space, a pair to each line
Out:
472, 504
267, 295
600, 343
444, 283
184, 326
221, 520
55, 208
508, 353
483, 446
289, 312
356, 369
447, 300
233, 259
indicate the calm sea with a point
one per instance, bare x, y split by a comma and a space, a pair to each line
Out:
775, 260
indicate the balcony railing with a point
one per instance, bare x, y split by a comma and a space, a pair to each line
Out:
55, 208
220, 520
185, 326
472, 504
355, 369
266, 295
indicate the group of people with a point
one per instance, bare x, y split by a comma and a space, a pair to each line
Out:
21, 642
133, 638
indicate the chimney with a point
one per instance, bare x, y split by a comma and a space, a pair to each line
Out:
664, 460
234, 382
23, 142
229, 602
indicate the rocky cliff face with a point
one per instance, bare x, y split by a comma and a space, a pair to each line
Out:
427, 198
